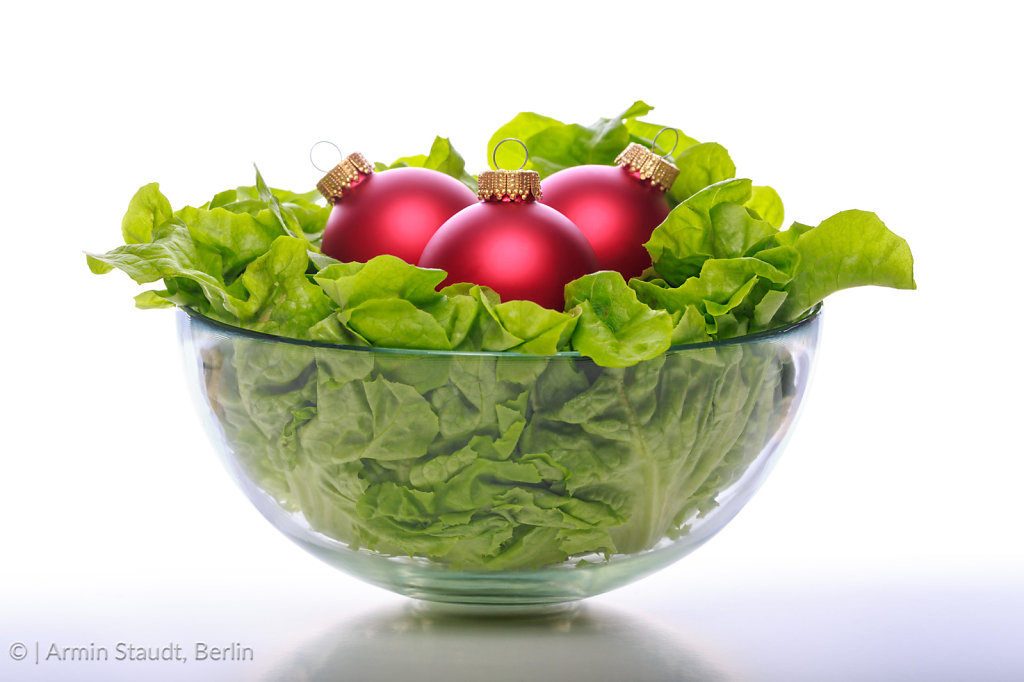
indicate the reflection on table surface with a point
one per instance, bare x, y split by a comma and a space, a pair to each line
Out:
411, 642
834, 631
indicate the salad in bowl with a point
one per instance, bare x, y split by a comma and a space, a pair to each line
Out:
446, 442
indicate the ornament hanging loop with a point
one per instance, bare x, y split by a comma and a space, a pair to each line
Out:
509, 185
494, 154
314, 146
654, 142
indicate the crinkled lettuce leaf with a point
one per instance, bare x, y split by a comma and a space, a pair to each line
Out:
850, 249
224, 258
147, 210
271, 293
554, 145
700, 165
721, 266
716, 254
442, 157
496, 462
615, 328
695, 231
510, 460
387, 302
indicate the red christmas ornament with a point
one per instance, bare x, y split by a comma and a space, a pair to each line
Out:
395, 211
616, 207
509, 242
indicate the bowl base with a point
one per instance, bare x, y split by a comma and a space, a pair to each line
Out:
461, 610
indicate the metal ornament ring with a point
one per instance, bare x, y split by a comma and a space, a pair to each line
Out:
323, 170
494, 154
654, 142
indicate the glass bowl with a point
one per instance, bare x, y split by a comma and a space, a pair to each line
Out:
496, 478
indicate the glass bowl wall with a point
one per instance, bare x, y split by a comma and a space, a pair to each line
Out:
496, 478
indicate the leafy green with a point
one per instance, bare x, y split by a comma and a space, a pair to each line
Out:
689, 236
278, 297
700, 165
615, 329
387, 302
513, 455
554, 145
203, 255
850, 249
715, 254
442, 157
271, 295
350, 284
720, 264
766, 204
284, 218
496, 462
148, 209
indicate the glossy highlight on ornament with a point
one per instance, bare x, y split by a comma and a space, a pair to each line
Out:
393, 212
522, 250
509, 242
616, 207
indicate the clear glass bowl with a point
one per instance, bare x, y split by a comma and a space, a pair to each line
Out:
496, 478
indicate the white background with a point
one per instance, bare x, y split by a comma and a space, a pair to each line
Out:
907, 463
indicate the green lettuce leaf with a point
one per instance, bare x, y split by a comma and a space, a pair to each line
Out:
385, 276
616, 329
288, 222
442, 157
719, 288
193, 274
489, 463
766, 204
716, 253
203, 254
554, 145
387, 302
700, 165
518, 458
147, 210
721, 265
278, 297
307, 209
237, 238
689, 235
542, 331
850, 249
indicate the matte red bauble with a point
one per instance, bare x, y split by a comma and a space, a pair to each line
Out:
616, 207
522, 249
395, 211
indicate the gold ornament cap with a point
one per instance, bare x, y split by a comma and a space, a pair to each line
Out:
648, 166
350, 172
509, 185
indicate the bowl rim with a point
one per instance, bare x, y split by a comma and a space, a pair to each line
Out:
807, 318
